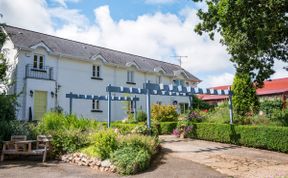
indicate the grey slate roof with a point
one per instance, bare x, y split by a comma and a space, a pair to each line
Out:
23, 38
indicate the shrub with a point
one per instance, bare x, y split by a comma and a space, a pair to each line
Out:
271, 138
68, 141
129, 160
123, 128
195, 116
134, 153
141, 116
15, 127
52, 122
68, 132
140, 129
219, 115
268, 106
164, 113
140, 141
7, 107
167, 127
200, 104
280, 116
104, 142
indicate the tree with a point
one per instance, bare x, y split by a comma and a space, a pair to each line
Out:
245, 100
3, 61
254, 31
7, 102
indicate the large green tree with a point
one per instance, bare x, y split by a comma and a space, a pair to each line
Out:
254, 31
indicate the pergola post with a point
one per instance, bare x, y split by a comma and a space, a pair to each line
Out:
230, 106
190, 102
148, 108
135, 108
109, 108
70, 103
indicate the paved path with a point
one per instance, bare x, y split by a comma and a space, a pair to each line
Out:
179, 158
229, 159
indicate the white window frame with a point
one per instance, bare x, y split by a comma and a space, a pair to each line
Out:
95, 105
96, 71
158, 79
37, 62
178, 82
130, 76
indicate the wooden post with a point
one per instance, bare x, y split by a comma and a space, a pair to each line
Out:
70, 103
135, 108
148, 109
109, 108
230, 107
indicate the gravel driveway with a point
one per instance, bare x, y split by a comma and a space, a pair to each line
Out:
179, 158
229, 159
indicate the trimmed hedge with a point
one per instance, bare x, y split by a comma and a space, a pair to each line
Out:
167, 127
271, 138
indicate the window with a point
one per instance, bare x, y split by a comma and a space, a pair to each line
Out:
130, 107
130, 76
96, 71
38, 62
158, 79
95, 105
178, 82
184, 108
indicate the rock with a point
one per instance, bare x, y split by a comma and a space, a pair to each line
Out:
106, 163
102, 169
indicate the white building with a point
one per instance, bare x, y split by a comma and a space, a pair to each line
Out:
45, 68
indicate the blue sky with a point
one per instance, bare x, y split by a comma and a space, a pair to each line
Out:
157, 29
126, 9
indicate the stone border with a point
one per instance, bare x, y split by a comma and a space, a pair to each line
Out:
81, 159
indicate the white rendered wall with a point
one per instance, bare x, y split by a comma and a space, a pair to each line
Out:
74, 75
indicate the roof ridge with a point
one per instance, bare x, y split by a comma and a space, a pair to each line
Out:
105, 48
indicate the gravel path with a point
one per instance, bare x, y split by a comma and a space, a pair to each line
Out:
229, 159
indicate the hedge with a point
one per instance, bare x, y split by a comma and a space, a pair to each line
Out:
167, 127
271, 138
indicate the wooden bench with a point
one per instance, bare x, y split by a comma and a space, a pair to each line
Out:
19, 145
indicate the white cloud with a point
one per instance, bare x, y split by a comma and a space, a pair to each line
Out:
280, 72
31, 14
64, 2
158, 35
218, 80
159, 1
69, 16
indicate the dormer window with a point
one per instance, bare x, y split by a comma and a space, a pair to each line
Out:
96, 72
178, 82
159, 79
130, 77
38, 62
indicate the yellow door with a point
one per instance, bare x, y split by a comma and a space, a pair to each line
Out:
40, 104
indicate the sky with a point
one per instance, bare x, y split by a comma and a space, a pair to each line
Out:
158, 29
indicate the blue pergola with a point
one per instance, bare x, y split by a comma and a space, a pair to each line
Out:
164, 90
110, 98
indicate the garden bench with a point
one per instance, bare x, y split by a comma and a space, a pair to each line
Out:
19, 145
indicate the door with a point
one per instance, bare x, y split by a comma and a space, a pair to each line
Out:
40, 104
